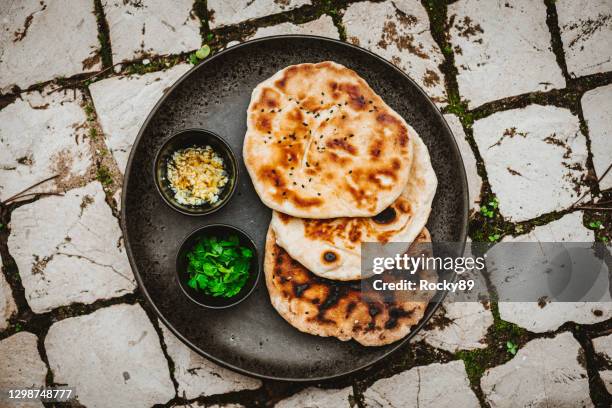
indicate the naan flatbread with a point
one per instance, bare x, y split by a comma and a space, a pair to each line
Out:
340, 309
320, 143
331, 248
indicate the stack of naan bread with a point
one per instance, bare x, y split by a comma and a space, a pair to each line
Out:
338, 167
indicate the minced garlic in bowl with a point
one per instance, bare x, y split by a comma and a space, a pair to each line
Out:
196, 175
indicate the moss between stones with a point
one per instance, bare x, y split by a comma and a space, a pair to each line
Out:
103, 35
155, 64
103, 175
200, 8
479, 360
334, 9
600, 221
89, 112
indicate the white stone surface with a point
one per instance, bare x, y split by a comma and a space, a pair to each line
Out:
544, 373
603, 345
535, 158
33, 33
153, 27
323, 26
502, 49
586, 33
228, 12
110, 356
21, 365
433, 386
548, 316
197, 376
7, 303
597, 109
459, 326
40, 136
68, 249
318, 398
123, 103
399, 32
469, 161
606, 377
117, 198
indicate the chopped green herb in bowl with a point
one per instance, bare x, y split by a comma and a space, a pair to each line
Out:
218, 267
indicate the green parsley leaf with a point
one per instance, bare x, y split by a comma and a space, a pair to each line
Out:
595, 224
511, 347
203, 52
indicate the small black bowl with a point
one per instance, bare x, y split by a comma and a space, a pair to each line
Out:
195, 138
222, 231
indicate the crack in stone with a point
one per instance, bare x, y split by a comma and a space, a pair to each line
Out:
418, 370
164, 347
94, 262
382, 397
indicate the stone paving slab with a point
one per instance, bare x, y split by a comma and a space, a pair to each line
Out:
197, 376
399, 32
550, 316
36, 32
21, 365
432, 386
469, 161
323, 26
493, 64
606, 377
544, 373
42, 135
458, 326
541, 319
69, 249
110, 356
7, 304
597, 109
123, 103
535, 158
228, 12
603, 347
586, 33
155, 27
319, 398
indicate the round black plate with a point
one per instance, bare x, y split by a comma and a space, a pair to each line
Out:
252, 338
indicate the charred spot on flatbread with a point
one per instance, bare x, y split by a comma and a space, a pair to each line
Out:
330, 257
385, 216
334, 308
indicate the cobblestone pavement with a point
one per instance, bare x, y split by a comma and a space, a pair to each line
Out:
525, 85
